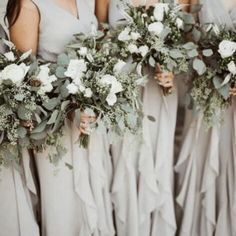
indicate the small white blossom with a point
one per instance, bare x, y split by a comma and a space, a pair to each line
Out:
10, 56
72, 88
227, 48
88, 93
156, 28
119, 66
83, 51
46, 88
132, 48
160, 10
135, 35
111, 99
124, 35
232, 68
179, 23
143, 50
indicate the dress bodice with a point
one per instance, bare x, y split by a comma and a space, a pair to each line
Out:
57, 26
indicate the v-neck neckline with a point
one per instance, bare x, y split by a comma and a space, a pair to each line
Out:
67, 12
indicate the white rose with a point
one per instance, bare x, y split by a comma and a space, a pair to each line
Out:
72, 88
43, 75
135, 35
116, 86
15, 73
10, 56
132, 48
160, 10
88, 93
232, 68
119, 66
83, 51
143, 50
76, 68
156, 28
124, 35
111, 99
227, 48
179, 23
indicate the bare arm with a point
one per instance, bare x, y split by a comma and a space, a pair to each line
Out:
102, 10
24, 33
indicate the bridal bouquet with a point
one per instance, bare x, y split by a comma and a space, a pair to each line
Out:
216, 77
100, 85
157, 35
25, 107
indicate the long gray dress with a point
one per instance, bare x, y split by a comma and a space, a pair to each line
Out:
206, 165
73, 201
142, 190
17, 190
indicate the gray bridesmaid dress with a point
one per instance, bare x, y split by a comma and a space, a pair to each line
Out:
142, 190
73, 201
206, 165
17, 190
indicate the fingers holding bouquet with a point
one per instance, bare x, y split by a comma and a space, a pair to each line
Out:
86, 122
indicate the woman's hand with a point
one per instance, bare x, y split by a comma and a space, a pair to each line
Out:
165, 79
85, 122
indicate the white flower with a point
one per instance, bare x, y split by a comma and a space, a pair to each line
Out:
15, 73
76, 68
88, 93
143, 50
43, 74
10, 56
227, 48
232, 68
124, 35
156, 28
160, 10
83, 51
72, 88
132, 48
46, 88
119, 66
116, 87
179, 23
135, 35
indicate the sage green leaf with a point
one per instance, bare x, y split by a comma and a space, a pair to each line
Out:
199, 66
51, 104
196, 35
64, 105
193, 53
217, 81
60, 72
224, 91
152, 62
207, 52
189, 46
40, 128
37, 117
53, 117
23, 112
38, 136
175, 53
21, 131
63, 60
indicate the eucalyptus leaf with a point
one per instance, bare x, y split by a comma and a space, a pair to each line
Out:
199, 66
40, 128
193, 53
53, 117
63, 60
60, 72
23, 112
207, 52
152, 62
51, 104
21, 131
38, 136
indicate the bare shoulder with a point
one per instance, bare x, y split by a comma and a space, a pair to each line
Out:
29, 5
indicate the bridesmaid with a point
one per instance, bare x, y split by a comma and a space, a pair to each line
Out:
206, 165
16, 193
73, 201
142, 189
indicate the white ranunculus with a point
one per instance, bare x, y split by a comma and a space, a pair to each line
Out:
179, 23
143, 50
156, 28
160, 10
135, 35
83, 51
116, 86
119, 66
72, 88
76, 68
10, 56
232, 68
88, 93
43, 75
111, 99
124, 35
132, 48
15, 73
227, 48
